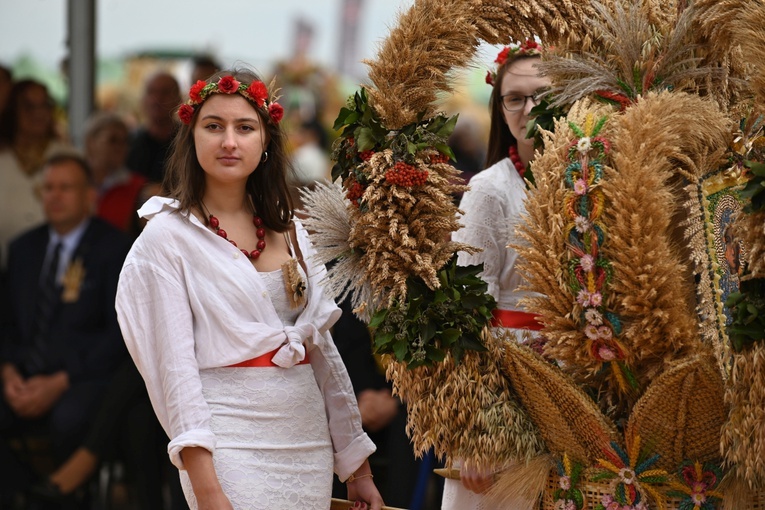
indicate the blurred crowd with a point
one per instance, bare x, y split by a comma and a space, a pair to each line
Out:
76, 423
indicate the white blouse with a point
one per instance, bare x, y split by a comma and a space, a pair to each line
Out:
493, 207
188, 300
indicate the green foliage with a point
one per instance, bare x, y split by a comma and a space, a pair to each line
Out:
430, 323
748, 310
755, 188
363, 130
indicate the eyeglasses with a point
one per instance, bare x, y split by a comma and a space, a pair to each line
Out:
517, 102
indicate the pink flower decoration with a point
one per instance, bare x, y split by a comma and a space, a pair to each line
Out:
591, 332
587, 262
583, 297
580, 187
228, 85
605, 332
596, 299
606, 353
565, 483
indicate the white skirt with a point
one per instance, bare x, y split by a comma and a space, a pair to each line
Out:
273, 446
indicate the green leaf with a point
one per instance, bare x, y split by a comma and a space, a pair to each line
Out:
383, 339
448, 127
446, 151
365, 140
378, 318
449, 336
400, 349
468, 342
756, 167
428, 330
342, 117
435, 353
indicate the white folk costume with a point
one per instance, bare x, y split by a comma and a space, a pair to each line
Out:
191, 305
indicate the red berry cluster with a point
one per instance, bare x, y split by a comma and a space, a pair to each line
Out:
366, 155
438, 158
355, 192
403, 174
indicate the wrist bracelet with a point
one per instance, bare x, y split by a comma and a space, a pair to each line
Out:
353, 477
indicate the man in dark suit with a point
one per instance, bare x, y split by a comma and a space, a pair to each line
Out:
62, 341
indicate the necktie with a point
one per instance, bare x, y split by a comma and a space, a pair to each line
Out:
47, 297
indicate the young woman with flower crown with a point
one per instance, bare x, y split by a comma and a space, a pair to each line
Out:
222, 310
492, 207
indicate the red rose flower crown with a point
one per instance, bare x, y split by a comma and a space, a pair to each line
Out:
255, 92
528, 47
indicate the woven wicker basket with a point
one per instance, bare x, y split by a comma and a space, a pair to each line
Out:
593, 493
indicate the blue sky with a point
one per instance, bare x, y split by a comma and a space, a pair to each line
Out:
254, 31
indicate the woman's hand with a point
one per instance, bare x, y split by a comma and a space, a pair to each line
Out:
475, 480
204, 480
362, 488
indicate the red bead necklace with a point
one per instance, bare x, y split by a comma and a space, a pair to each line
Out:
260, 232
516, 159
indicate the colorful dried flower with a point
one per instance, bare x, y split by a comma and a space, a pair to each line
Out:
587, 262
582, 225
580, 187
592, 316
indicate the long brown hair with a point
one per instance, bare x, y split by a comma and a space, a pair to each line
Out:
500, 137
266, 186
9, 118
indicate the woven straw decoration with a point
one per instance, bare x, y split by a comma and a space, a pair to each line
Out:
568, 419
680, 414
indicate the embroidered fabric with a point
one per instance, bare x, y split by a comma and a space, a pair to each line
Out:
493, 206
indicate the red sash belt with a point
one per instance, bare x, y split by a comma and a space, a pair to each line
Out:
264, 360
515, 320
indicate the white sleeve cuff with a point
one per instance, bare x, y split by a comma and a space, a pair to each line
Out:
352, 456
198, 437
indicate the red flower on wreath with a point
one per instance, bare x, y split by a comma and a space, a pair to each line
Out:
502, 56
258, 92
196, 90
530, 44
228, 85
276, 112
186, 113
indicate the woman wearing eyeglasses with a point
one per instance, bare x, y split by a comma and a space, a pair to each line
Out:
492, 207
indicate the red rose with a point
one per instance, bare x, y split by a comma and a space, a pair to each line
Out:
502, 55
196, 90
185, 113
228, 85
276, 112
258, 92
